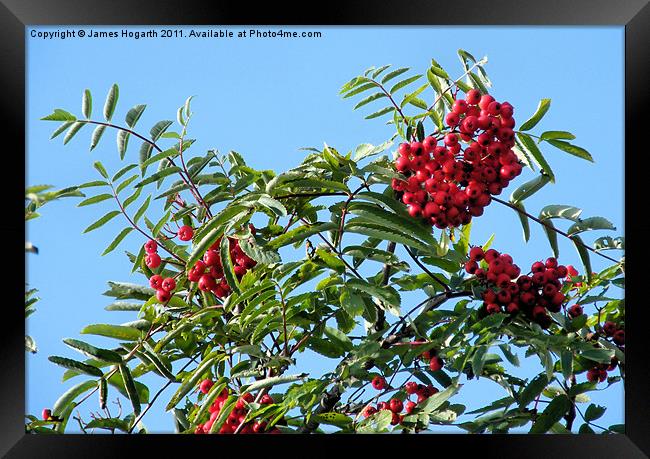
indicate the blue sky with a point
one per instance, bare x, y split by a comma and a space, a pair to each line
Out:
266, 98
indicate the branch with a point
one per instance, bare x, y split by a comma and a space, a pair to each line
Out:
424, 268
552, 228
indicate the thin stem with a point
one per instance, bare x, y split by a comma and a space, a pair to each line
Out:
552, 228
154, 145
151, 402
424, 268
133, 224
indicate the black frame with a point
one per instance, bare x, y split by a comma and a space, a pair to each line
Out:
15, 15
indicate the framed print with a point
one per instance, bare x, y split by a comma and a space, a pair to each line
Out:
347, 226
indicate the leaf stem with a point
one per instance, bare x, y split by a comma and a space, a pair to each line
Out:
552, 228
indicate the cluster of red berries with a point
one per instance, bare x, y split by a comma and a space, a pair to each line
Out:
533, 294
612, 330
599, 372
209, 271
448, 185
236, 416
153, 260
395, 405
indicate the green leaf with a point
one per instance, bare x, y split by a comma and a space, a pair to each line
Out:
360, 89
533, 389
352, 303
339, 338
79, 367
122, 142
70, 395
382, 217
389, 76
87, 104
553, 412
548, 228
113, 331
560, 211
598, 355
380, 112
404, 83
96, 136
609, 243
131, 199
59, 115
529, 188
121, 173
58, 131
523, 218
111, 102
299, 234
370, 98
594, 412
101, 169
572, 149
367, 228
112, 214
584, 255
108, 424
260, 254
143, 208
191, 381
226, 263
73, 131
435, 401
103, 393
526, 143
134, 115
386, 294
274, 381
159, 129
589, 224
158, 175
542, 108
88, 350
95, 199
117, 240
478, 360
567, 363
549, 135
131, 390
123, 306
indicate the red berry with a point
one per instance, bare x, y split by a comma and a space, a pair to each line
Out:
211, 258
266, 399
396, 405
402, 164
185, 233
411, 387
378, 382
619, 337
369, 411
409, 407
152, 260
575, 311
476, 254
206, 283
493, 308
168, 284
205, 385
609, 328
436, 363
163, 296
155, 281
47, 414
473, 96
151, 246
